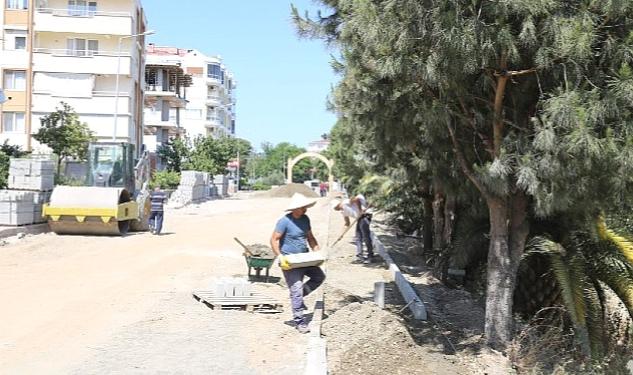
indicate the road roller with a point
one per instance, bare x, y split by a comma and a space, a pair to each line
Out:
113, 200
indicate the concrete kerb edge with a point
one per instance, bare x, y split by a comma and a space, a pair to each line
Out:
26, 229
316, 359
413, 301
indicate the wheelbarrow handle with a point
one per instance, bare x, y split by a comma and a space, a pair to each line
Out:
246, 250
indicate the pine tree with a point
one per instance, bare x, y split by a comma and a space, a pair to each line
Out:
531, 98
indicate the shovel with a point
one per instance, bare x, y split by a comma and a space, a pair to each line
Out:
247, 252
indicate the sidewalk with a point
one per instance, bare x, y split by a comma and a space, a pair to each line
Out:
7, 231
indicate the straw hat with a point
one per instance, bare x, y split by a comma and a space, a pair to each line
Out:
299, 201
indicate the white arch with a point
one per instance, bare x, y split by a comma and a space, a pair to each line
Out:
329, 163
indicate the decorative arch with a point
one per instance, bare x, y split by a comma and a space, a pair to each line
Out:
329, 163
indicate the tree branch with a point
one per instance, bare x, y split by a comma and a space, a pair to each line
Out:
498, 124
462, 161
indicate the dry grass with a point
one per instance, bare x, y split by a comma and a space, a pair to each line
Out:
547, 345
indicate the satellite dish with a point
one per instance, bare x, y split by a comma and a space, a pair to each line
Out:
2, 97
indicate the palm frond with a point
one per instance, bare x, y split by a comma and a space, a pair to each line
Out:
624, 244
595, 318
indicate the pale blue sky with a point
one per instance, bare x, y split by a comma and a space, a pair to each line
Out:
283, 81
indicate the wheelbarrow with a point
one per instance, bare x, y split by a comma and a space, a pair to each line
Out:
258, 262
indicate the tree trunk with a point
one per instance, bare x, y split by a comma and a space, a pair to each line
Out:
508, 231
449, 219
59, 165
428, 224
438, 222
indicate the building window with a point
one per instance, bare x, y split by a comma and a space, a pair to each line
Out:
211, 114
13, 122
82, 8
215, 71
82, 47
17, 4
15, 80
20, 42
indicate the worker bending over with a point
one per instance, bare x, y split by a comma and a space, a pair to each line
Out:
357, 208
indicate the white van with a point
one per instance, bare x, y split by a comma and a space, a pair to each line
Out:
313, 185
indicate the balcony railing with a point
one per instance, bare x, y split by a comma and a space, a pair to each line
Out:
79, 52
81, 12
161, 89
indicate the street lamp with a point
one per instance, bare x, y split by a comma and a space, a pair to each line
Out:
118, 72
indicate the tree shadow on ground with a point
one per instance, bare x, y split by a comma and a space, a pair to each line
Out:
456, 318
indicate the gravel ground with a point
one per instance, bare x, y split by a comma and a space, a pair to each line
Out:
362, 338
95, 305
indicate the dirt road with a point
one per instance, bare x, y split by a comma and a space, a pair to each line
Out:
80, 304
123, 305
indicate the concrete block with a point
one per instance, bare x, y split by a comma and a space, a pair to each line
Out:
31, 167
17, 207
36, 183
16, 218
40, 197
16, 196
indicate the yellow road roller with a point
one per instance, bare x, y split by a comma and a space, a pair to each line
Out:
114, 200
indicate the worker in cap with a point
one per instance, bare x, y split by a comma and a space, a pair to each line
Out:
293, 235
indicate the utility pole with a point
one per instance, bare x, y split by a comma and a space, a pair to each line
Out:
238, 170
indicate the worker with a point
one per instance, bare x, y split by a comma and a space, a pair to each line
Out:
292, 235
157, 200
358, 209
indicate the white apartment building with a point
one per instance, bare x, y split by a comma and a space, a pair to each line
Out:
74, 51
165, 93
210, 97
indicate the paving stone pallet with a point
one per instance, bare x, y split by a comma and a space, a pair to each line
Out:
252, 303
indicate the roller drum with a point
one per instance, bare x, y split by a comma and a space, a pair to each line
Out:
72, 201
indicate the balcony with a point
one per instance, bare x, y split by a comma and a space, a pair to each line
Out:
213, 122
101, 102
214, 99
155, 118
74, 61
83, 21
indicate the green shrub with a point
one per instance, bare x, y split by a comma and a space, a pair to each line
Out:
259, 185
274, 178
165, 179
60, 179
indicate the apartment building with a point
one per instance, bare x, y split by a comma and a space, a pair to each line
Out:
165, 97
78, 52
210, 96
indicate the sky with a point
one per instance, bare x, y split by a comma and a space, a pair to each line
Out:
283, 82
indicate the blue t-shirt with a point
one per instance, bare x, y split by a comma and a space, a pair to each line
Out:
294, 232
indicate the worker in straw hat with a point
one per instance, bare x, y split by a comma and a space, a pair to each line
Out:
292, 235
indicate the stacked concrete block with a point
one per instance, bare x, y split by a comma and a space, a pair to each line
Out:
232, 287
220, 186
16, 207
39, 198
192, 188
31, 174
30, 183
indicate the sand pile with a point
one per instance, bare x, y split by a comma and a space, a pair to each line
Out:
286, 191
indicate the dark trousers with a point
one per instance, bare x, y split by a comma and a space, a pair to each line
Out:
363, 235
156, 221
299, 289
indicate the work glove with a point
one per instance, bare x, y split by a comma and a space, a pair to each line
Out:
283, 263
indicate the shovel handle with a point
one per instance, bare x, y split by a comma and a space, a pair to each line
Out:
246, 250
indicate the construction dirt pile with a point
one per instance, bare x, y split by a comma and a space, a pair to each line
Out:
286, 191
261, 251
363, 336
